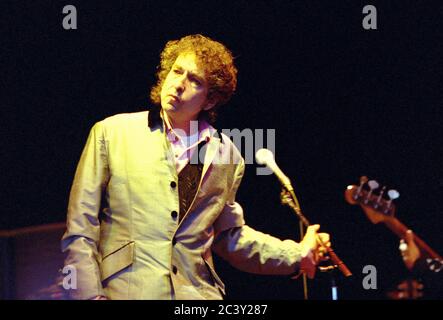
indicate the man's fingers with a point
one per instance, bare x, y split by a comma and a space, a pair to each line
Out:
326, 243
325, 238
316, 244
312, 229
403, 246
409, 237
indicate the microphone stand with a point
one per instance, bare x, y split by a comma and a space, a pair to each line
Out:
305, 277
293, 203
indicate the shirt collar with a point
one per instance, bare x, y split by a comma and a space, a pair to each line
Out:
205, 130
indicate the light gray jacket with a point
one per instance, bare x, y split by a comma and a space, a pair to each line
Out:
135, 248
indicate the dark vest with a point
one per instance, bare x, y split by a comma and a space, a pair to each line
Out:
188, 181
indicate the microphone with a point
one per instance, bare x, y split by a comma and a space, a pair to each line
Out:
266, 157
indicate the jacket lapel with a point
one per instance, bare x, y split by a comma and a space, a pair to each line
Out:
211, 152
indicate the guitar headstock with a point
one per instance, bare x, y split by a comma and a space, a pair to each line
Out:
370, 196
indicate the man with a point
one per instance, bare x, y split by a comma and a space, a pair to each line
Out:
168, 199
409, 251
426, 271
413, 258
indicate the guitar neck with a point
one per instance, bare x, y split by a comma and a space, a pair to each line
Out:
400, 230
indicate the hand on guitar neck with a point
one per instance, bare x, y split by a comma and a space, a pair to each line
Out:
409, 250
379, 209
419, 258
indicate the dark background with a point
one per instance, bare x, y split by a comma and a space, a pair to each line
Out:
344, 101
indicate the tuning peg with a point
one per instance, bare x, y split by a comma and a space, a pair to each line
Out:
380, 196
363, 180
372, 186
392, 194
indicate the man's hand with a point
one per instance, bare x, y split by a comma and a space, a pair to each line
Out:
409, 250
312, 251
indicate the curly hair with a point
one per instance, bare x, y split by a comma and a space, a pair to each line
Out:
213, 57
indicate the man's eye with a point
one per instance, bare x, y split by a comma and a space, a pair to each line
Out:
177, 71
196, 82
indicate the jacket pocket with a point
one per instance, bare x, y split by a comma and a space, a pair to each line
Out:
219, 284
117, 260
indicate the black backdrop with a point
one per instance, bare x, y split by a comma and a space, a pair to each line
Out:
344, 101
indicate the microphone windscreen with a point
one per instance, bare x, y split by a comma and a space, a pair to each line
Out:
264, 156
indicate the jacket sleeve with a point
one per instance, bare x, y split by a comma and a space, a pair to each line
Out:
82, 234
250, 250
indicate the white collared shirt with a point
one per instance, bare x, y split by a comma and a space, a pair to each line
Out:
183, 145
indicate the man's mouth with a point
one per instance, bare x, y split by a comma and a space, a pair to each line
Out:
174, 97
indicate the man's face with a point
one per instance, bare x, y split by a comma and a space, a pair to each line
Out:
184, 91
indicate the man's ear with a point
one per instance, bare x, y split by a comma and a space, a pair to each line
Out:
209, 105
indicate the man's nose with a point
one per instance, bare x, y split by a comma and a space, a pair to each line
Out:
179, 84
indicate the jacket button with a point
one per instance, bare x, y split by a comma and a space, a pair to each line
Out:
174, 214
174, 269
173, 184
